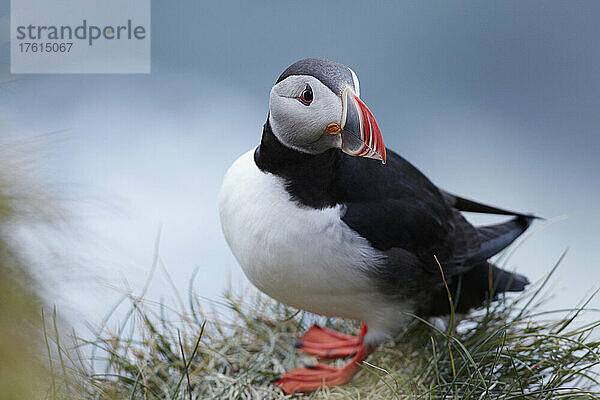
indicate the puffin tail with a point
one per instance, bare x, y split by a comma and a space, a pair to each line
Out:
472, 289
485, 282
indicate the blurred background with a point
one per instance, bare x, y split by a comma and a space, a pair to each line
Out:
495, 101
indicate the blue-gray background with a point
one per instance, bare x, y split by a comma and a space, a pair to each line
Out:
496, 101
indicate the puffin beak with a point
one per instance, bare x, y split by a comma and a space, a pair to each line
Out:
360, 134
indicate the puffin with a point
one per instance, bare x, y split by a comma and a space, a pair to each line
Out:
323, 218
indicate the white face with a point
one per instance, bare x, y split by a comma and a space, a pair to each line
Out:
299, 124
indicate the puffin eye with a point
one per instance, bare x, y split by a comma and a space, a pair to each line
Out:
306, 97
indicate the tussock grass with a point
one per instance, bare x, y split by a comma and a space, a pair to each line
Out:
508, 350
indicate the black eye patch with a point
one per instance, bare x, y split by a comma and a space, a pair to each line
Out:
306, 97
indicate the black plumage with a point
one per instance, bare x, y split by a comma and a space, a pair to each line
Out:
404, 215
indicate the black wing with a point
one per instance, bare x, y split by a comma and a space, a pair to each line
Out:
396, 206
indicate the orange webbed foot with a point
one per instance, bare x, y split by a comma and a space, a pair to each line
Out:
313, 377
327, 343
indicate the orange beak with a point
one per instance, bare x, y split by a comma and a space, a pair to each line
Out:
360, 133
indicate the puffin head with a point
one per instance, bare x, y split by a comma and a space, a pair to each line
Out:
315, 106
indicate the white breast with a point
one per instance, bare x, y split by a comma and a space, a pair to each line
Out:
306, 258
